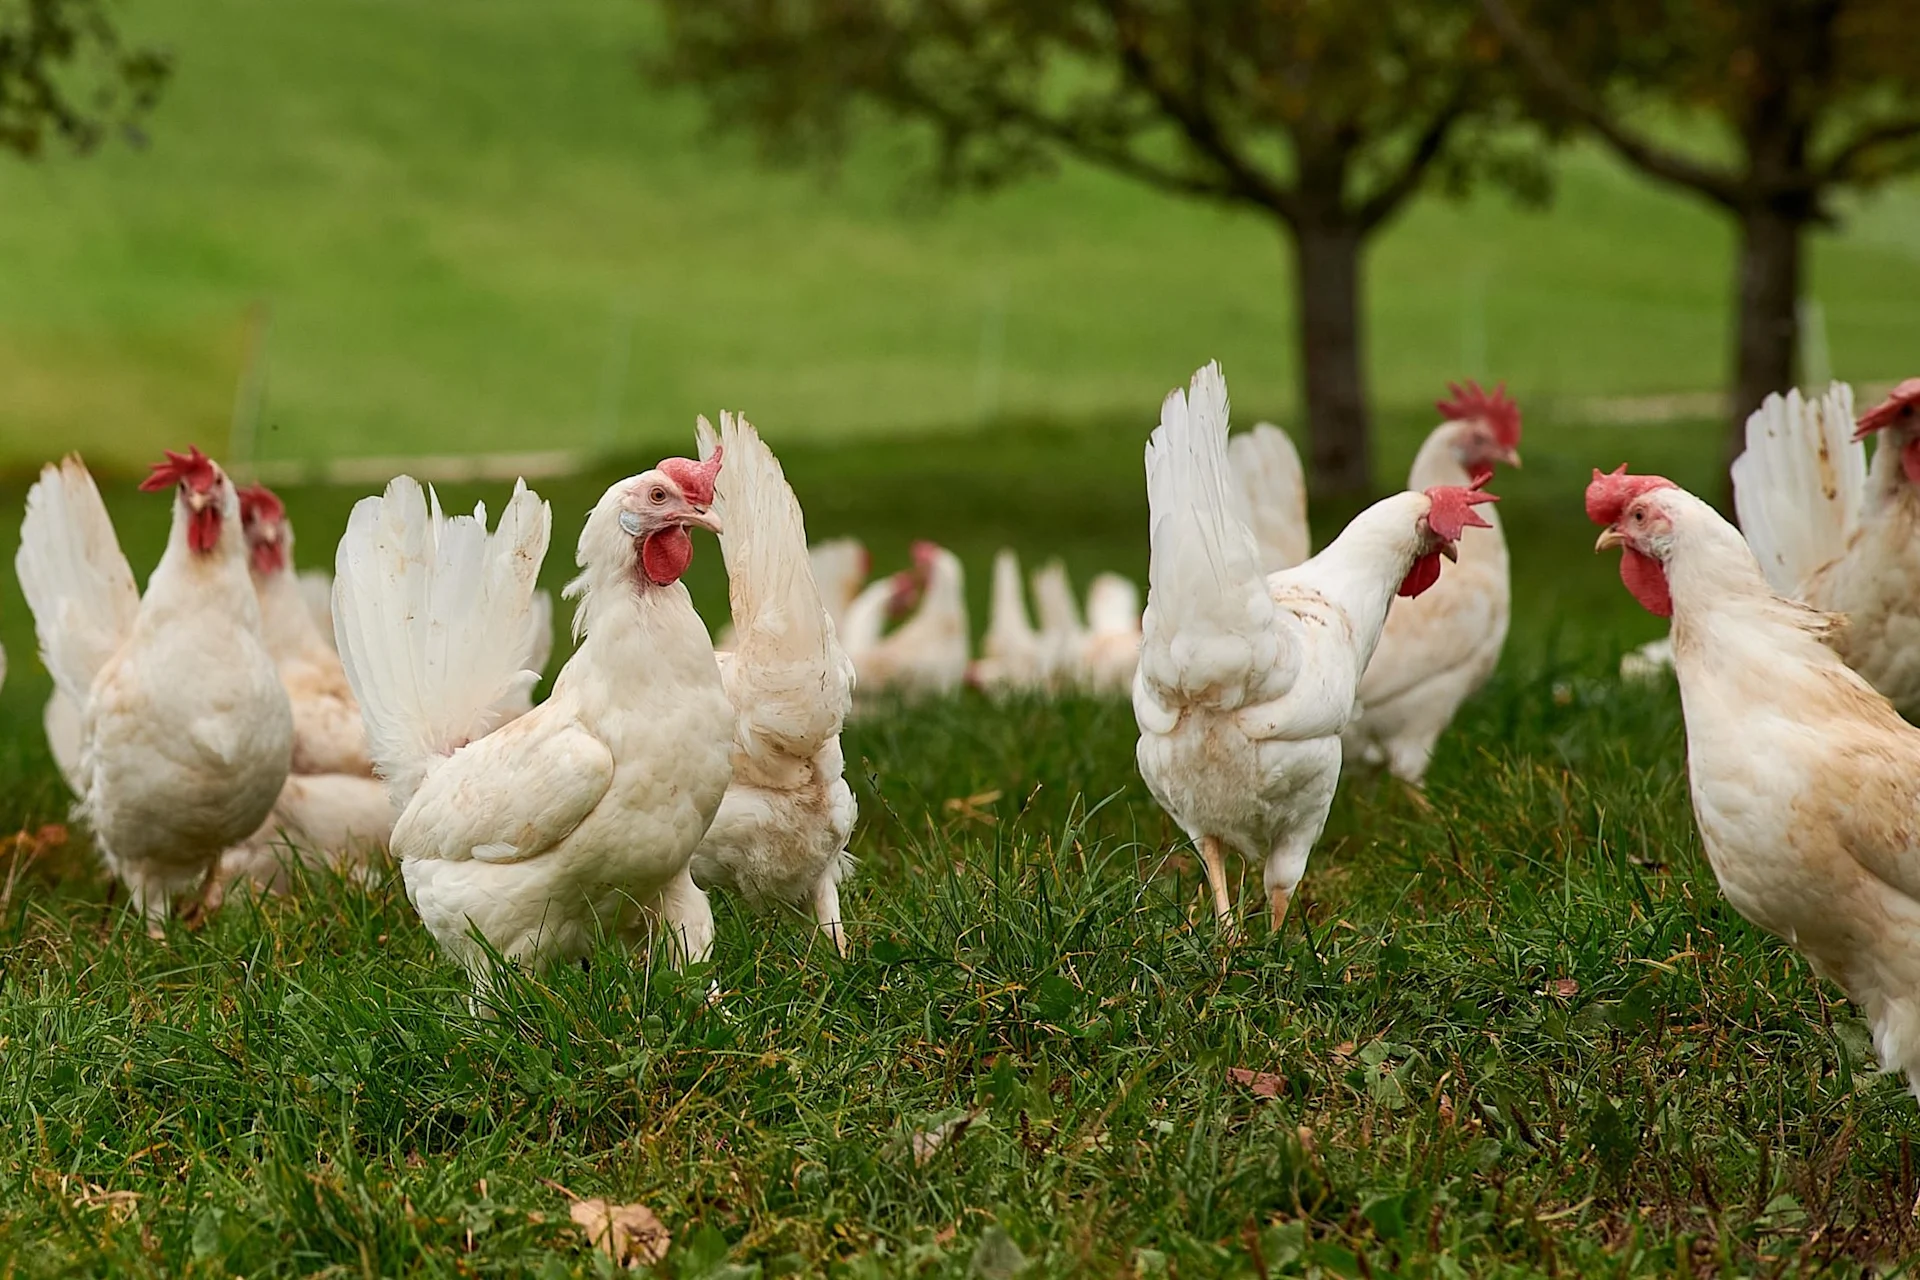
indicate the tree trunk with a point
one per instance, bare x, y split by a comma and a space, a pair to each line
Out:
1327, 281
1769, 322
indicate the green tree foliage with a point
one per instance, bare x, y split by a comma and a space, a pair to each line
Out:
1787, 103
66, 75
1325, 116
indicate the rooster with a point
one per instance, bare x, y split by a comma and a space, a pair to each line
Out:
928, 653
522, 838
1246, 679
1437, 650
182, 731
781, 833
331, 806
1805, 781
1112, 651
1011, 660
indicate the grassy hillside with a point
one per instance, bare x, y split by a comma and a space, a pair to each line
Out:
476, 228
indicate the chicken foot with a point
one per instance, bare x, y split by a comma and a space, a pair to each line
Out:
1216, 863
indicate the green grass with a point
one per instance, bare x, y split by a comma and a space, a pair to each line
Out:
466, 218
1518, 1034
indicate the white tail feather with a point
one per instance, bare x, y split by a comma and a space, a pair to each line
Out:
432, 617
1798, 485
790, 683
1113, 605
74, 577
1271, 483
1210, 628
1010, 634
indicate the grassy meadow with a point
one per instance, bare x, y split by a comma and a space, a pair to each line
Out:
1516, 1033
475, 227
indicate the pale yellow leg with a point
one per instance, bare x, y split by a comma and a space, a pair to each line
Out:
1277, 901
1216, 864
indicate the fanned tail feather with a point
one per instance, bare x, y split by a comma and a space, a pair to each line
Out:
75, 578
1270, 482
1210, 630
1798, 485
432, 617
790, 682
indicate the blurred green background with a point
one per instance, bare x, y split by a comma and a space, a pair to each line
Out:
476, 227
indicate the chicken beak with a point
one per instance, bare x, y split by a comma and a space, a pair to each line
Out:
1609, 539
1511, 458
198, 500
704, 518
1450, 551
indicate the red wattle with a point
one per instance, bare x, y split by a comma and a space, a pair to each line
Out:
666, 554
1425, 572
1910, 460
203, 528
268, 558
1648, 582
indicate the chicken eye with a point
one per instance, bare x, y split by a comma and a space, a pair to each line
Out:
658, 495
1639, 516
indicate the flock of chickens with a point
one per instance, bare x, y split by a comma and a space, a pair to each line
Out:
237, 717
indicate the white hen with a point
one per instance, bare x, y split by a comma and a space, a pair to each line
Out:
1246, 679
1269, 481
1113, 633
1438, 650
1011, 659
781, 833
1805, 783
583, 813
928, 654
1063, 637
183, 729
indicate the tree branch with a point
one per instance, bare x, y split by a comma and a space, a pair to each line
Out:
1201, 129
1380, 206
1553, 77
1848, 163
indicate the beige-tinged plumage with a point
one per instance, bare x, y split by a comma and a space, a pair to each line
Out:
177, 730
1272, 485
1011, 659
1438, 649
581, 815
1246, 679
781, 834
840, 569
1805, 781
1837, 533
1063, 636
926, 655
1112, 651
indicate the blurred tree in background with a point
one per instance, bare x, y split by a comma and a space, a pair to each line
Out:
1323, 115
1805, 99
66, 74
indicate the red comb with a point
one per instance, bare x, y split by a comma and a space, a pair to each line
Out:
257, 502
1498, 411
694, 478
1453, 506
1611, 491
192, 468
1905, 398
925, 551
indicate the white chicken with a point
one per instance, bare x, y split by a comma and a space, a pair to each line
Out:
1112, 650
332, 809
1011, 659
840, 569
928, 653
1269, 480
184, 733
781, 833
1805, 782
1246, 679
1437, 650
1063, 637
583, 813
1837, 534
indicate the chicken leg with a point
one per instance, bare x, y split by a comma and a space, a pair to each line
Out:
1216, 864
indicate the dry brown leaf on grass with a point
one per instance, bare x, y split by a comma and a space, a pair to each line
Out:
631, 1234
1263, 1083
1565, 988
926, 1143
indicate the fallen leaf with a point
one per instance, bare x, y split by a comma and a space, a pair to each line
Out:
1264, 1083
1565, 988
1343, 1050
926, 1143
631, 1234
1307, 1142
